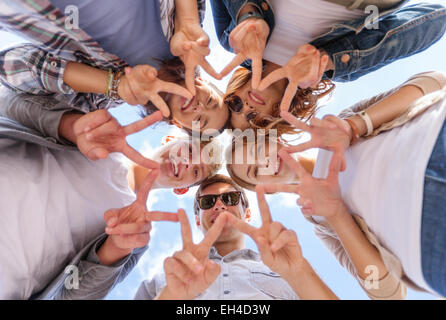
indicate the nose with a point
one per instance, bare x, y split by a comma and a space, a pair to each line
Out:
219, 206
198, 107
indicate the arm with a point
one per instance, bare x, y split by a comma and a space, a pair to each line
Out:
401, 34
394, 107
95, 280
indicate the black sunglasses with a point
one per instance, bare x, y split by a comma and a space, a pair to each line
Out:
207, 201
235, 104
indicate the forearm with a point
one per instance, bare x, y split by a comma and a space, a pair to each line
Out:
109, 254
307, 284
361, 252
83, 78
186, 11
388, 108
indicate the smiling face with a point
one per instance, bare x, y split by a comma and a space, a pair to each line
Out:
176, 167
206, 107
268, 169
254, 104
208, 217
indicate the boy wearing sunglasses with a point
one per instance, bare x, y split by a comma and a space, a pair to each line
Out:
220, 267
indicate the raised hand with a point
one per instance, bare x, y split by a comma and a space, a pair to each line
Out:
278, 246
129, 227
248, 40
191, 44
141, 85
189, 271
321, 197
305, 69
330, 133
97, 134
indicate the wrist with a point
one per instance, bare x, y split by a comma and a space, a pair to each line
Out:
66, 125
109, 253
338, 216
297, 274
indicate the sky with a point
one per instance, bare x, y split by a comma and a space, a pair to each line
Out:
165, 237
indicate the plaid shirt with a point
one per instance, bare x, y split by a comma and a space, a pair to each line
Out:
38, 68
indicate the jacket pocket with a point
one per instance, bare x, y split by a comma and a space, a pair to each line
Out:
271, 284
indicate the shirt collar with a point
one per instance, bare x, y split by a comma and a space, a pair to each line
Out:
245, 253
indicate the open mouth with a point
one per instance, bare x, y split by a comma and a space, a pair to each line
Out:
279, 166
187, 104
175, 165
256, 98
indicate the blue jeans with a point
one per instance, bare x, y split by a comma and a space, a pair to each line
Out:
433, 226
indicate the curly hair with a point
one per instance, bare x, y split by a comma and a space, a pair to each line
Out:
303, 106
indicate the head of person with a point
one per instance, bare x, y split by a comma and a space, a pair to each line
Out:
256, 109
251, 162
184, 163
206, 106
216, 195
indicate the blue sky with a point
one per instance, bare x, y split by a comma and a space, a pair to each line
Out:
165, 237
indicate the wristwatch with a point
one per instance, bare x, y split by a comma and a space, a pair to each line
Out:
248, 15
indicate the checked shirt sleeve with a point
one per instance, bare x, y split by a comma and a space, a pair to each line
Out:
30, 69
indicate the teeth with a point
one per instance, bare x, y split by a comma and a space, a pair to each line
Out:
175, 165
186, 103
255, 99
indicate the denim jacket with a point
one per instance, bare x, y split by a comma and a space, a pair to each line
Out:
355, 47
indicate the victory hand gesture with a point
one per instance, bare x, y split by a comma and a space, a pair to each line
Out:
191, 44
321, 197
141, 85
97, 134
248, 40
330, 133
278, 246
129, 227
189, 271
305, 69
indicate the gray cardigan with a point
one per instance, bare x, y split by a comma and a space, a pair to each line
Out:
96, 280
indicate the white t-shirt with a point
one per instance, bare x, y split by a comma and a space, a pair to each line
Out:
384, 184
52, 205
300, 21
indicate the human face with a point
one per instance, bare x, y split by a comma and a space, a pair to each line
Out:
176, 167
271, 170
208, 217
206, 107
250, 104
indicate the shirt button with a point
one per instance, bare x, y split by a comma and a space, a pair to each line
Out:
225, 275
53, 64
52, 16
226, 292
345, 58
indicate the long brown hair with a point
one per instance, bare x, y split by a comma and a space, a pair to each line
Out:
303, 106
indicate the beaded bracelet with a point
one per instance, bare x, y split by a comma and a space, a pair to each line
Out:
113, 86
109, 81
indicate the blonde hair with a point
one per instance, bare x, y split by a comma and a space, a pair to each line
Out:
303, 106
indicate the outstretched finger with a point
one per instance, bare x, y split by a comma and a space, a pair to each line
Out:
288, 96
215, 231
294, 121
242, 226
136, 157
186, 232
129, 228
95, 119
176, 89
238, 60
190, 78
161, 216
293, 164
335, 167
274, 76
256, 68
263, 205
143, 123
146, 186
280, 187
208, 68
160, 104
